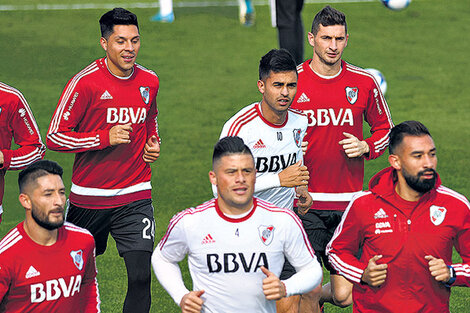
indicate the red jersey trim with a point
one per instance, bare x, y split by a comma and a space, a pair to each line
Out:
258, 110
243, 119
235, 220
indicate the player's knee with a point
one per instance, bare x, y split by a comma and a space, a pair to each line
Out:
342, 296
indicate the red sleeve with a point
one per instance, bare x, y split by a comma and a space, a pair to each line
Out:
378, 117
152, 122
89, 295
345, 244
72, 106
5, 280
26, 135
462, 245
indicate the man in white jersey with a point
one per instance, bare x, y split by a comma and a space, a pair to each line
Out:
274, 133
236, 244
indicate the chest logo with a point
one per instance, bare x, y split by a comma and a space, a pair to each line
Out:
297, 137
259, 145
380, 214
145, 93
351, 94
303, 98
32, 272
77, 257
266, 234
437, 214
106, 95
22, 112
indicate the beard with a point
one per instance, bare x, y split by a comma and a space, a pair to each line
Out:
417, 183
43, 221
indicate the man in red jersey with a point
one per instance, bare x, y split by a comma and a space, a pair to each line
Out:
406, 226
336, 97
16, 121
107, 115
47, 265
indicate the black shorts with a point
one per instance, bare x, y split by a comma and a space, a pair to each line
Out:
132, 225
320, 226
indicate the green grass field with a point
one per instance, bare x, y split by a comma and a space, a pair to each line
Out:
208, 63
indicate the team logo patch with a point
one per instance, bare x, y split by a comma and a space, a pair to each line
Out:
437, 214
77, 257
351, 94
145, 93
266, 233
297, 137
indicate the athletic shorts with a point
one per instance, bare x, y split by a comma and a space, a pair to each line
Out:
132, 225
320, 226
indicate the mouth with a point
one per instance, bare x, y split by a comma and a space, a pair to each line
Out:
284, 101
240, 190
427, 174
128, 58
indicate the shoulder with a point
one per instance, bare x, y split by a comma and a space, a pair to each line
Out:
88, 73
77, 231
10, 242
149, 74
453, 196
283, 214
358, 73
241, 119
298, 115
301, 67
10, 94
192, 212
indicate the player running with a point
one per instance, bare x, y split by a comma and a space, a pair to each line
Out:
107, 115
236, 244
16, 121
47, 265
336, 96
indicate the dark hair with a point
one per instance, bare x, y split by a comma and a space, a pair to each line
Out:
229, 145
329, 16
117, 16
36, 170
276, 60
407, 128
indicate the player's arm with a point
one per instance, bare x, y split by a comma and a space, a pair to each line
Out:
343, 247
26, 135
89, 294
5, 280
63, 134
152, 146
378, 116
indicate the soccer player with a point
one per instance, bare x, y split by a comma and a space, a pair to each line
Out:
16, 121
407, 225
107, 115
336, 96
236, 244
47, 265
165, 14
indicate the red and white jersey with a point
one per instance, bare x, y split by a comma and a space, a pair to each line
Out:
57, 278
94, 101
17, 122
274, 148
225, 255
380, 222
334, 106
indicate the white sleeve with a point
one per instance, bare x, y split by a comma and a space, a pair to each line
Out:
169, 275
305, 279
267, 181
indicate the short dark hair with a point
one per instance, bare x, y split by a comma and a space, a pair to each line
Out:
407, 128
229, 145
328, 16
117, 16
276, 60
36, 170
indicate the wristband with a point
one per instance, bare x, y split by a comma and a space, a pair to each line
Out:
453, 276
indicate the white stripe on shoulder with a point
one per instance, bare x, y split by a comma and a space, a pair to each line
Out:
75, 228
146, 70
10, 240
243, 117
444, 190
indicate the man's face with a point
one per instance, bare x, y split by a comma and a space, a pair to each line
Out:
235, 176
417, 162
278, 90
47, 201
329, 43
122, 48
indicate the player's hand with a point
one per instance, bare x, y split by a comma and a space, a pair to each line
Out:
438, 269
304, 201
151, 150
119, 134
354, 147
304, 147
273, 288
374, 275
295, 175
192, 302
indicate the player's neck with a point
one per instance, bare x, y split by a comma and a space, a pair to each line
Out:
405, 191
323, 69
234, 210
116, 72
39, 234
273, 117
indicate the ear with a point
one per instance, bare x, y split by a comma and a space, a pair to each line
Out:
261, 86
213, 178
311, 39
104, 43
25, 201
394, 161
347, 38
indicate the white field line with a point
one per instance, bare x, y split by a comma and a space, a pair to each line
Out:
144, 5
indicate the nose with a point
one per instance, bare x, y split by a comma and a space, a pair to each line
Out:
333, 44
240, 178
129, 46
284, 91
59, 199
428, 161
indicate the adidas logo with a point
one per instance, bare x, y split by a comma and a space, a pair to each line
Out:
106, 95
303, 98
259, 145
380, 214
208, 239
32, 272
